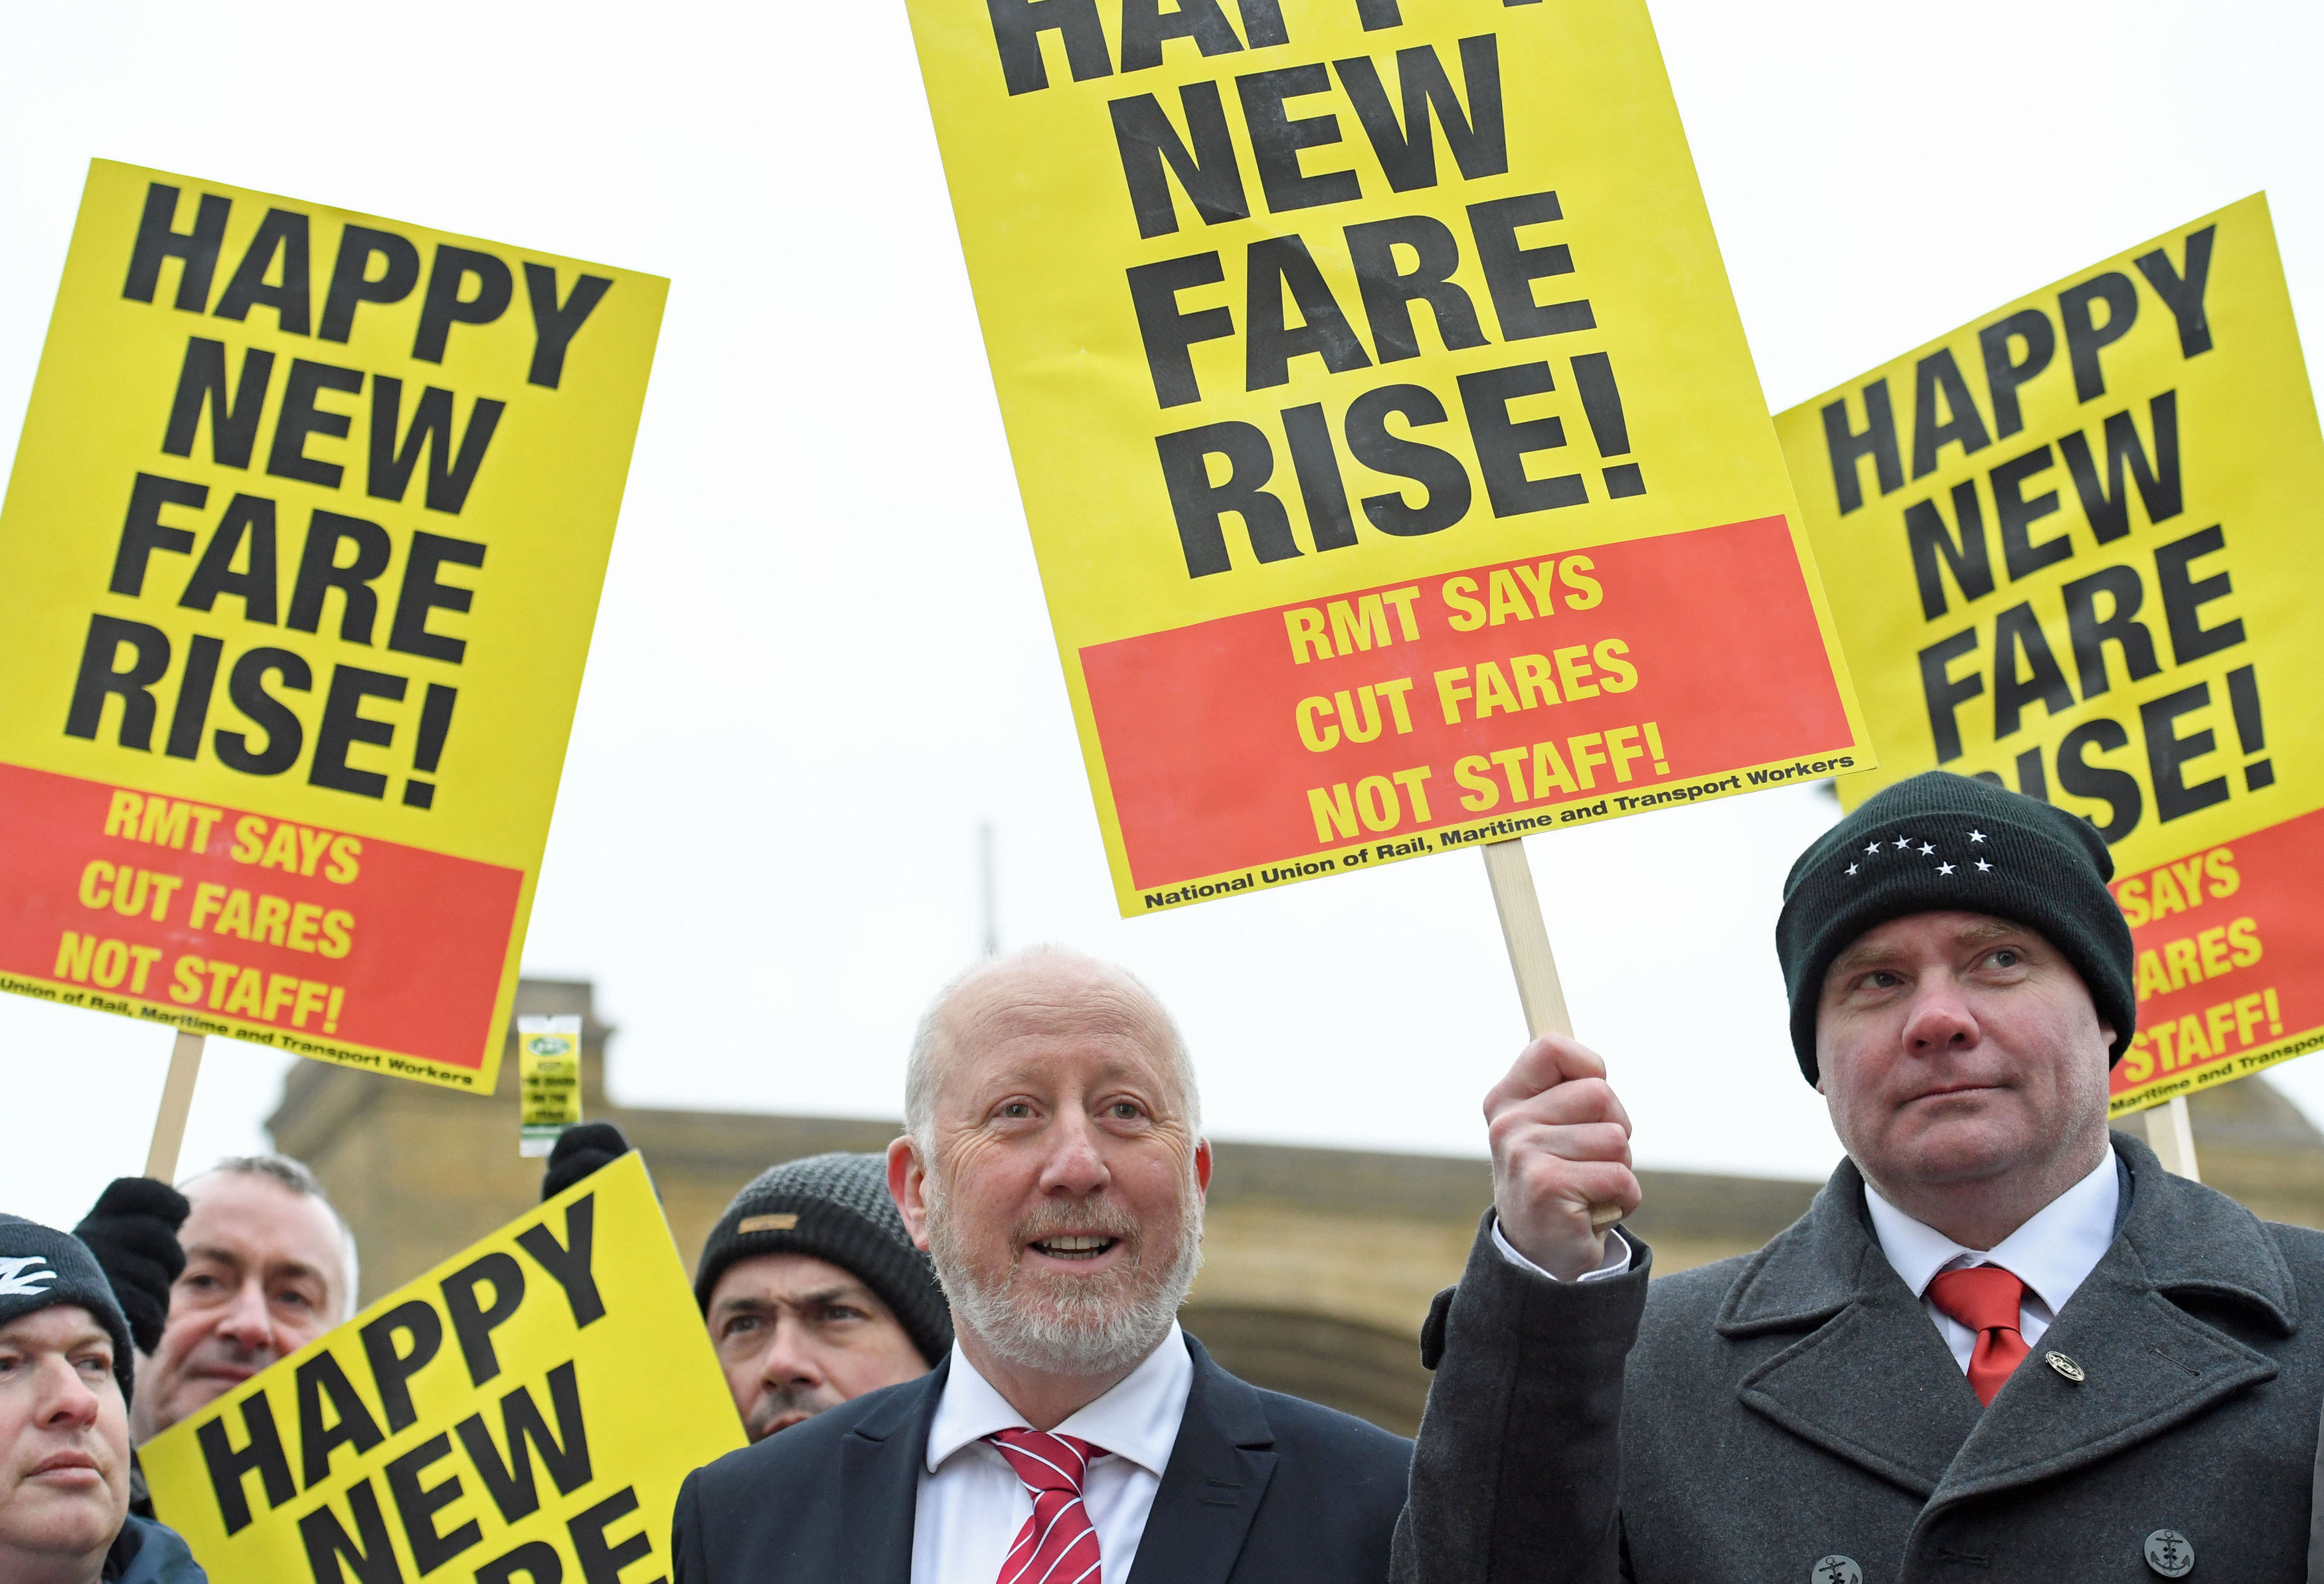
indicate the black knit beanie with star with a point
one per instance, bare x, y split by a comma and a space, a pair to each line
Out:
1941, 842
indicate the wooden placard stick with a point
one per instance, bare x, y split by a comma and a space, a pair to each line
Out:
177, 1102
1531, 960
2170, 1133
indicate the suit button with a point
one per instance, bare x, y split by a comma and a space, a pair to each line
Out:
2171, 1554
1836, 1569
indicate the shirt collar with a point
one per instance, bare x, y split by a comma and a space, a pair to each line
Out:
2051, 1253
1138, 1418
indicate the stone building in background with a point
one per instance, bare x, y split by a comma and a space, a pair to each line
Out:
1318, 1264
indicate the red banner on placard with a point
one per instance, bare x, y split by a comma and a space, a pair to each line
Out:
232, 922
1584, 682
2230, 962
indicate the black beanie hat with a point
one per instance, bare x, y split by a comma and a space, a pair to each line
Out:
836, 1208
41, 1269
1941, 842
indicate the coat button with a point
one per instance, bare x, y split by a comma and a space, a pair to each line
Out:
1836, 1569
2065, 1367
2171, 1554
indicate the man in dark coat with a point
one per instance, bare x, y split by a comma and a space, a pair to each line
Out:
2003, 1344
1055, 1169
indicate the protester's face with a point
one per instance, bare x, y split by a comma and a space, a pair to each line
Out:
1062, 1203
795, 1335
1957, 1046
64, 1444
266, 1275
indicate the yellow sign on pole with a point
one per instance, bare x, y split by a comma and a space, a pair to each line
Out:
2072, 547
298, 568
526, 1411
1395, 461
549, 1079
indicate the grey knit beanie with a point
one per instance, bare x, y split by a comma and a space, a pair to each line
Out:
43, 1269
836, 1208
1941, 843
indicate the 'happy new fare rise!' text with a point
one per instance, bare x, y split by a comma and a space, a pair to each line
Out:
289, 422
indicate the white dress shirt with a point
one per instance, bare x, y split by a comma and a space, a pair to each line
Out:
2052, 1254
971, 1503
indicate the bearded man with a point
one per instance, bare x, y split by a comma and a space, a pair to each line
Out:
1054, 1168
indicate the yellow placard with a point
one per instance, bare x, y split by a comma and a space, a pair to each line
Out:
2070, 546
548, 1075
526, 1410
1326, 327
298, 568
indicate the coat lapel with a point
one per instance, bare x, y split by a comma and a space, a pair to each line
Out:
1218, 1474
2147, 1365
1871, 1381
880, 1476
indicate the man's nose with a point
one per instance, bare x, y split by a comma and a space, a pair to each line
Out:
790, 1357
1940, 1017
67, 1402
1076, 1161
247, 1321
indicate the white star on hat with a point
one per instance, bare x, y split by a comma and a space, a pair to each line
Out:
1926, 849
1982, 865
1944, 868
1851, 869
1902, 843
1872, 848
1977, 835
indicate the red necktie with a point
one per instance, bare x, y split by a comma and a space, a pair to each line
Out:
1058, 1545
1985, 1298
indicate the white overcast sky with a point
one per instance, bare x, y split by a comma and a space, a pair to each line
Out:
823, 620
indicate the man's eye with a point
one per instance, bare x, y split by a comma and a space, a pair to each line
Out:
2007, 957
843, 1312
1126, 1110
742, 1324
294, 1299
1881, 979
1016, 1109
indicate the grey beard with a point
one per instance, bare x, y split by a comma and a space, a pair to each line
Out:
1086, 1328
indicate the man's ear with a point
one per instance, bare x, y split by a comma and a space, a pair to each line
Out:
907, 1186
1203, 1167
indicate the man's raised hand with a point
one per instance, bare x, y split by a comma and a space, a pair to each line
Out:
1561, 1145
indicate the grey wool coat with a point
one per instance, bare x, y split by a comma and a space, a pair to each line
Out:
1771, 1417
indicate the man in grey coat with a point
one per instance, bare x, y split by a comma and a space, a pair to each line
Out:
2002, 1345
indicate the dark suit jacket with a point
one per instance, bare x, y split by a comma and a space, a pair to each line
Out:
1261, 1488
1797, 1406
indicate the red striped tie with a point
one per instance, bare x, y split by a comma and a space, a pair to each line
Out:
1057, 1545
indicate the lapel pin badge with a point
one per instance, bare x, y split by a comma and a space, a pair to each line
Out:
2065, 1367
